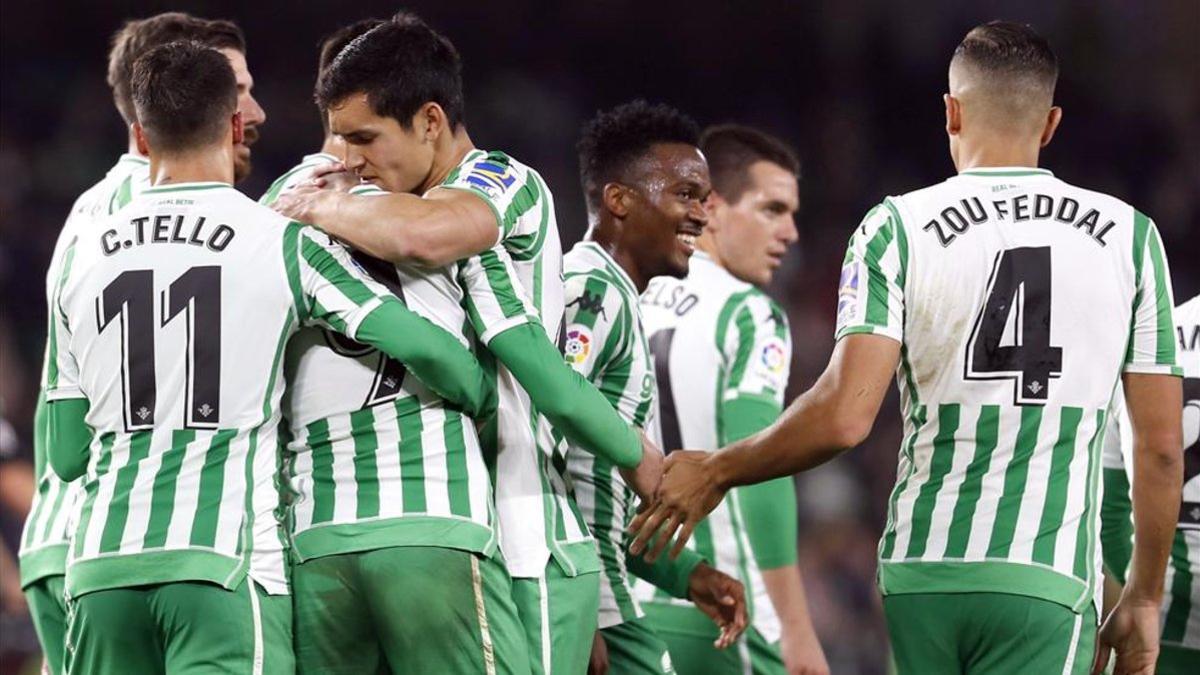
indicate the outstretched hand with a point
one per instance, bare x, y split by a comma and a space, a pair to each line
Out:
1132, 630
689, 491
722, 598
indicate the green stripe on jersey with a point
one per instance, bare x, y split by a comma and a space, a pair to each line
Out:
940, 463
1165, 331
162, 501
986, 428
877, 285
1056, 489
412, 461
1015, 475
366, 473
118, 510
212, 488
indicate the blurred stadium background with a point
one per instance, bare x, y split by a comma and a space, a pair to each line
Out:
855, 85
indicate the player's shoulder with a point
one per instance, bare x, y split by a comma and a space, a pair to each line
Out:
296, 175
495, 173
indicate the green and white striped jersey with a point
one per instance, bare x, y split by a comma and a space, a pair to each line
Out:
714, 339
376, 459
531, 485
171, 319
43, 550
295, 176
605, 343
1181, 599
1018, 300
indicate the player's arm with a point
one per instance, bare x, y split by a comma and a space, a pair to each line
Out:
432, 231
506, 322
1154, 398
332, 291
836, 414
69, 437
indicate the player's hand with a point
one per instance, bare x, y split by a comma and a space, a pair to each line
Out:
802, 653
722, 598
1132, 631
688, 493
307, 203
598, 661
646, 476
333, 176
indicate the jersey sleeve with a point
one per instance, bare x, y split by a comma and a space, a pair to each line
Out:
597, 326
509, 190
756, 351
1152, 346
494, 297
331, 289
871, 288
61, 374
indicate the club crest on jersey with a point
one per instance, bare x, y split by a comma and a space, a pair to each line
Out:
490, 177
847, 291
578, 345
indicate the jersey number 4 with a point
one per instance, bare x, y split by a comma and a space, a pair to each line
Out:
197, 295
1011, 337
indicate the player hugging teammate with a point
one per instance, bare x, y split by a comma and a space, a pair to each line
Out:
378, 422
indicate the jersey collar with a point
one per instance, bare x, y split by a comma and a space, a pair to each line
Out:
135, 159
1006, 171
609, 262
186, 187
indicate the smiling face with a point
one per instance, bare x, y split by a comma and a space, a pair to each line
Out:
666, 211
752, 235
252, 113
379, 149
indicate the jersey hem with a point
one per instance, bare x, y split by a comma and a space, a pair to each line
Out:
403, 531
153, 567
64, 393
499, 327
47, 561
1013, 578
1153, 369
576, 557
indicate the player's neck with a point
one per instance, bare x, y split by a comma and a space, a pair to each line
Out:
448, 155
204, 166
132, 148
996, 153
707, 244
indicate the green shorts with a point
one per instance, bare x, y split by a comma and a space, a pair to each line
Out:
560, 615
984, 633
182, 627
407, 609
48, 611
1175, 660
689, 635
635, 649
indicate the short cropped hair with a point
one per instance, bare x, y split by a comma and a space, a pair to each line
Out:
400, 65
335, 42
184, 94
615, 139
1011, 59
730, 150
139, 35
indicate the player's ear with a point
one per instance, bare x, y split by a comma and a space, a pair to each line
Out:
616, 199
239, 129
1052, 122
953, 114
431, 121
139, 136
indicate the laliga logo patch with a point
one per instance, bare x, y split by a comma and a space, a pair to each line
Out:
773, 356
579, 345
847, 291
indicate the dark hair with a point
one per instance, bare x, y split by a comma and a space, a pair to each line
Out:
730, 150
616, 138
335, 42
138, 35
184, 93
400, 65
1009, 49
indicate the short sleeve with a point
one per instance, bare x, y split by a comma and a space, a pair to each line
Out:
494, 296
871, 289
757, 350
597, 327
509, 189
334, 291
62, 371
1152, 347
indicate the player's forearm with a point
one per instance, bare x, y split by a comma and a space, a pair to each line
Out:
785, 588
572, 404
432, 354
769, 512
69, 437
836, 414
1155, 404
400, 228
1157, 482
670, 575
